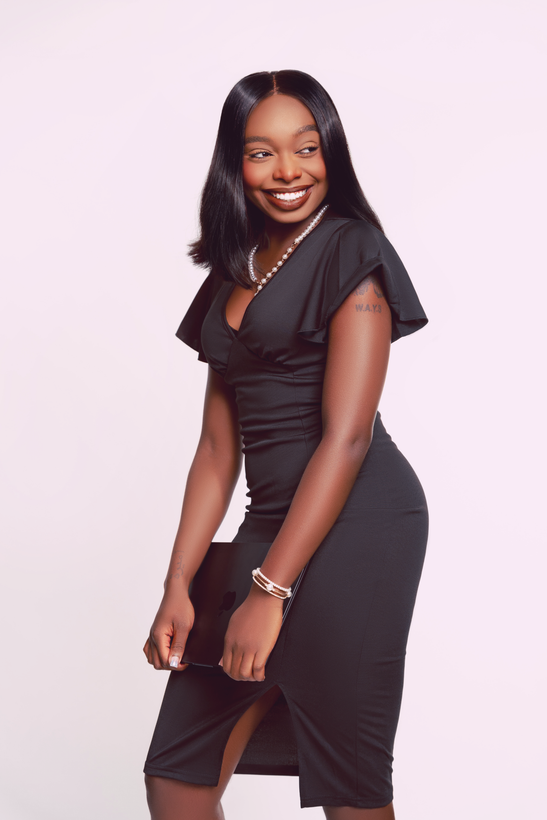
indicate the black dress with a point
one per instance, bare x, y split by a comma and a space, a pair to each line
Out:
339, 659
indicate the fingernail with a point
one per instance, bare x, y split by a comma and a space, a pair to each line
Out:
174, 662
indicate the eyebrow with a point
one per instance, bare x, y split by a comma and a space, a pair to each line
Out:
303, 130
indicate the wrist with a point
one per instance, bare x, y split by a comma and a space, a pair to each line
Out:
176, 586
256, 593
270, 586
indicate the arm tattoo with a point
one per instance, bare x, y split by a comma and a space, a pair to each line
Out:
360, 307
363, 286
179, 566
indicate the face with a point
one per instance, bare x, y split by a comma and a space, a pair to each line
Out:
284, 173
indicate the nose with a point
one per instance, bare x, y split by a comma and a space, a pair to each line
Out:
287, 168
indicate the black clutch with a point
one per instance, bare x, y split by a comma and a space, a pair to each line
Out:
221, 585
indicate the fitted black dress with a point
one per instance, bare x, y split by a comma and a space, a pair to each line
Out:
339, 659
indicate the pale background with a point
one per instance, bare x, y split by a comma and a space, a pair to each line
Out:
108, 111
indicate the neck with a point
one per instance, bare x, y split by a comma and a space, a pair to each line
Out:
278, 236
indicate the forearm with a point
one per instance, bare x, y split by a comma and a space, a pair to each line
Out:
357, 360
323, 490
211, 481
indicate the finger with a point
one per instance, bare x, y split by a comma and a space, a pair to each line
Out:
226, 660
230, 664
161, 640
153, 655
259, 669
175, 665
246, 667
235, 669
156, 660
148, 651
177, 646
175, 655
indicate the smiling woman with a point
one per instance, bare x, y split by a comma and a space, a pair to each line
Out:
284, 172
231, 222
295, 320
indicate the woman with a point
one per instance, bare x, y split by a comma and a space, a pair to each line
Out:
295, 320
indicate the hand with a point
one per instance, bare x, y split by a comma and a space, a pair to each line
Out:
165, 646
252, 633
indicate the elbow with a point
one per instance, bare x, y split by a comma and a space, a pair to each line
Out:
221, 457
358, 446
352, 445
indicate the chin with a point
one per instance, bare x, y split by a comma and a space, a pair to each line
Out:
297, 214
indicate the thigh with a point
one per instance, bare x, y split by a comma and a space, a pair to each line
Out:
171, 799
200, 708
356, 602
345, 646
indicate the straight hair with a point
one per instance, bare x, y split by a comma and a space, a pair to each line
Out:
230, 224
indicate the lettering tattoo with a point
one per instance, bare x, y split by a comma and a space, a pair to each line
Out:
179, 566
362, 288
368, 308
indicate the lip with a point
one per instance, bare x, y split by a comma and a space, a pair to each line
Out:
288, 206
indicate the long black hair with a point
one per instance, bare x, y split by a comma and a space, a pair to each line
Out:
230, 224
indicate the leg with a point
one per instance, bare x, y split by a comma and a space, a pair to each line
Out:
350, 813
174, 800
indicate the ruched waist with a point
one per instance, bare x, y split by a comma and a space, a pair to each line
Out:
385, 480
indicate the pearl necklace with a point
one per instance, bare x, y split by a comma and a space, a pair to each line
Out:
260, 283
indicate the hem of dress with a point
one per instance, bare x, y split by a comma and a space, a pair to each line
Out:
276, 770
352, 802
196, 779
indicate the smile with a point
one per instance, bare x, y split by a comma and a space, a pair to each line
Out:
290, 197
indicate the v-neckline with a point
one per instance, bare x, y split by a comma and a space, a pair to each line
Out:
232, 330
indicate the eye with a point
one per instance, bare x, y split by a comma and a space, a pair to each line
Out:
309, 149
259, 154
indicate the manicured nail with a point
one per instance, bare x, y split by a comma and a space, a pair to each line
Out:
174, 662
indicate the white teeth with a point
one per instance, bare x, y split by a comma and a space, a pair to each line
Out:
291, 197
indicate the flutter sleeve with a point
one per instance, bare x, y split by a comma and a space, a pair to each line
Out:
360, 250
189, 330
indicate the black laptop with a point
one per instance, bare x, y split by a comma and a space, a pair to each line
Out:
220, 586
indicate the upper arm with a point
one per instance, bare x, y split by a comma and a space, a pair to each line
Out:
357, 360
220, 431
